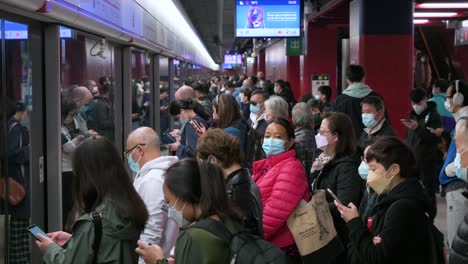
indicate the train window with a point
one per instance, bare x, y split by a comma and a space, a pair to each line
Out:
141, 88
87, 70
16, 105
164, 120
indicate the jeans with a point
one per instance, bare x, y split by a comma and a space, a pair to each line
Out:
457, 207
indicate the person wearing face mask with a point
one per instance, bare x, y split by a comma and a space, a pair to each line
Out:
257, 111
337, 168
244, 101
318, 111
70, 142
93, 88
283, 184
422, 126
201, 93
283, 90
188, 110
276, 107
324, 95
439, 89
220, 148
194, 192
373, 118
457, 103
459, 250
397, 231
84, 108
144, 158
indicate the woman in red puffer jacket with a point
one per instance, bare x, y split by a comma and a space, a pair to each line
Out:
283, 184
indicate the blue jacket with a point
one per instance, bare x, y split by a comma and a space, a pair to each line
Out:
238, 129
189, 138
448, 121
451, 153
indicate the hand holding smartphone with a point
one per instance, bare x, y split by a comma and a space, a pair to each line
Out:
34, 230
334, 196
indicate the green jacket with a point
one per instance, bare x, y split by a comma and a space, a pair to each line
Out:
118, 241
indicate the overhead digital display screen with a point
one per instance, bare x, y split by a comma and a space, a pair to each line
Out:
19, 31
232, 59
269, 18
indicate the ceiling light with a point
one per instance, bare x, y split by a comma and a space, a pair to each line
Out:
435, 14
420, 21
443, 5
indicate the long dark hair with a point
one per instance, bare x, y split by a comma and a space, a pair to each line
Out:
341, 125
177, 105
228, 110
100, 176
200, 183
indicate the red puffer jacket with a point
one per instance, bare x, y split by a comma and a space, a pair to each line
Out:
282, 183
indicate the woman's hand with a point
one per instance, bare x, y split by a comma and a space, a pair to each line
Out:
43, 243
200, 129
149, 253
349, 212
60, 237
174, 146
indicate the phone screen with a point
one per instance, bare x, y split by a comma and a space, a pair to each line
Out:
168, 139
35, 230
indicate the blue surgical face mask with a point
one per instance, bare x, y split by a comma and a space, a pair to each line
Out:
254, 108
183, 122
83, 109
459, 170
132, 164
273, 146
369, 120
363, 170
177, 216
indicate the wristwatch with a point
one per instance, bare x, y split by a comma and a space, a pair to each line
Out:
162, 261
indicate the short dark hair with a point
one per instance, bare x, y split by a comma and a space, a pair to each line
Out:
375, 101
264, 94
316, 103
326, 90
254, 79
281, 83
200, 183
462, 88
390, 150
341, 124
306, 97
221, 145
201, 88
417, 95
355, 73
67, 106
177, 105
286, 124
100, 176
229, 84
442, 84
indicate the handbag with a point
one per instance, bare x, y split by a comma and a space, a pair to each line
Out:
16, 191
312, 227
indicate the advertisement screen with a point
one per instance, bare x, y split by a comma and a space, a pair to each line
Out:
269, 18
233, 59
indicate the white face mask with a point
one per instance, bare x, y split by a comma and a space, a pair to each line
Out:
321, 141
177, 216
418, 109
448, 106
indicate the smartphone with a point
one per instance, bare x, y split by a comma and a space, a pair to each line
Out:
197, 125
34, 230
334, 196
166, 138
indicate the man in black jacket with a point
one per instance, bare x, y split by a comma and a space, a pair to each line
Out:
373, 118
349, 102
422, 124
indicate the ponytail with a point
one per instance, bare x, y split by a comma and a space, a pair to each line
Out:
176, 106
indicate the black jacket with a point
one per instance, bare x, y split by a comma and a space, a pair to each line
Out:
343, 179
459, 250
305, 147
421, 140
365, 139
244, 196
352, 107
400, 221
103, 118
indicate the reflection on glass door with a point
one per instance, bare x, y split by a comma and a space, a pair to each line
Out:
141, 88
16, 102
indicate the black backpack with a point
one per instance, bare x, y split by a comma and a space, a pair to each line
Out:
252, 146
245, 248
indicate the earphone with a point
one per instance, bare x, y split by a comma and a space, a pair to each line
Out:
458, 97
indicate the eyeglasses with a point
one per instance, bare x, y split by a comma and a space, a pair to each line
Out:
128, 152
324, 132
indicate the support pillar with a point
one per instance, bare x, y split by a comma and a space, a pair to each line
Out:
382, 40
293, 75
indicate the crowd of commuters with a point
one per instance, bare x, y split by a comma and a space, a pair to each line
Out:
245, 155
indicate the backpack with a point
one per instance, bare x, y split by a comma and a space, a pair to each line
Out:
252, 146
245, 248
